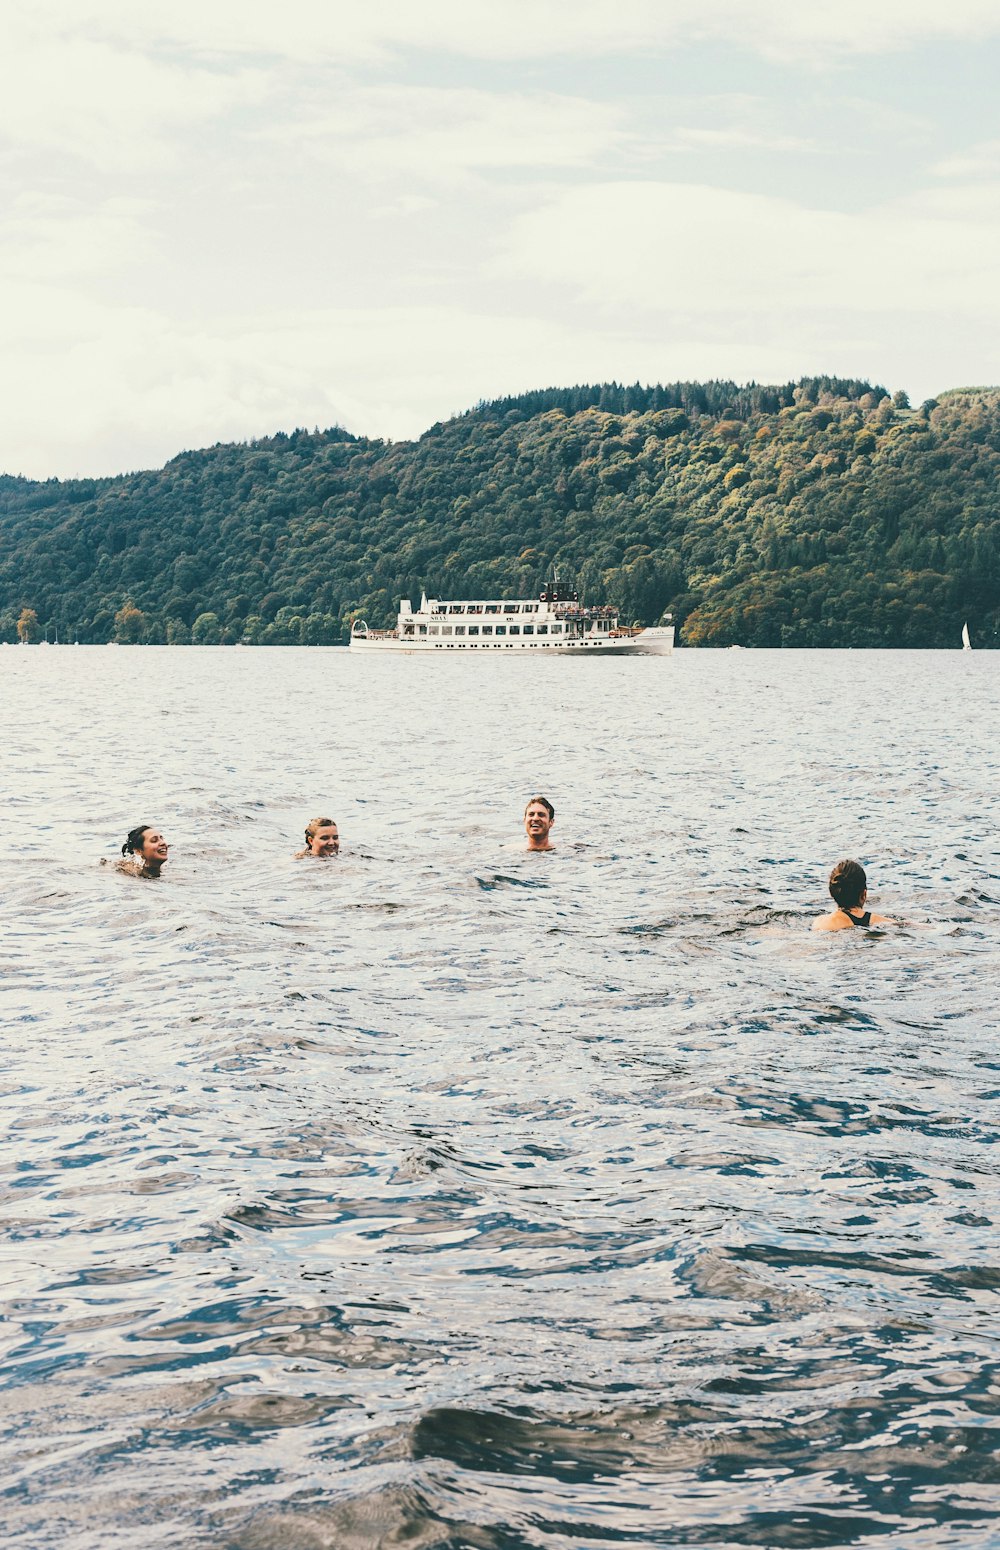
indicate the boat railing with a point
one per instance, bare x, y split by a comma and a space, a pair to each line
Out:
360, 630
582, 611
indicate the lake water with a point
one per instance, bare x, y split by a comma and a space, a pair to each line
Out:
441, 1195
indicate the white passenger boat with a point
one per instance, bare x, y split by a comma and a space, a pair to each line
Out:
557, 622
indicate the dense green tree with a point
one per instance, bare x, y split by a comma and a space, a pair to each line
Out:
820, 512
206, 630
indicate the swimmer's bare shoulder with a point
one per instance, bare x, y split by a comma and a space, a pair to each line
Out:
832, 923
129, 868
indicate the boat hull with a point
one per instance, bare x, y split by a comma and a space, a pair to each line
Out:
658, 642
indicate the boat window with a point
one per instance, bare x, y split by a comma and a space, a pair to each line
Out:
492, 608
473, 629
474, 608
456, 608
460, 629
487, 629
407, 629
435, 630
529, 629
423, 629
531, 608
543, 629
511, 608
439, 608
501, 629
515, 629
557, 629
446, 629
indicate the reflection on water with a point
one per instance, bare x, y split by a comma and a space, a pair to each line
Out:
440, 1195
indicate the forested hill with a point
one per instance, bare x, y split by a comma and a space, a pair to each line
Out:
823, 513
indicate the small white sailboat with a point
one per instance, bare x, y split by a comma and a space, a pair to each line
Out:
966, 643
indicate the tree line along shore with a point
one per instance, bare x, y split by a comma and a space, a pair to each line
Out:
825, 512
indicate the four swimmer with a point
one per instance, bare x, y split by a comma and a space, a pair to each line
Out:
145, 853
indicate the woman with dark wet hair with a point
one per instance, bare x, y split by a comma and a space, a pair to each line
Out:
849, 891
144, 852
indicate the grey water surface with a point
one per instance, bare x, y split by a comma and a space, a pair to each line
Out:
441, 1195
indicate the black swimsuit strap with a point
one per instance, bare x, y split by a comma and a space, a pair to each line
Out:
864, 920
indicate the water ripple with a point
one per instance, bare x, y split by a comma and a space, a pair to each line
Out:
450, 1197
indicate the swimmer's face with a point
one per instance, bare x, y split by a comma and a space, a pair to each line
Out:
537, 822
325, 841
154, 846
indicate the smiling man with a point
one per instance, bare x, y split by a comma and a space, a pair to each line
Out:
539, 816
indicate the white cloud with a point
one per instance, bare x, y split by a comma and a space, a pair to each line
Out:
971, 206
344, 30
100, 388
116, 378
100, 102
979, 161
183, 165
735, 138
694, 249
403, 205
788, 29
59, 237
438, 134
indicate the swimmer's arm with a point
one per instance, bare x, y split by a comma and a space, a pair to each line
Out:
902, 922
130, 868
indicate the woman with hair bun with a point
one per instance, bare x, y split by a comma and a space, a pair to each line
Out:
322, 839
849, 891
144, 852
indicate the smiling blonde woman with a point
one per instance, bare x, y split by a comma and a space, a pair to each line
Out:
322, 839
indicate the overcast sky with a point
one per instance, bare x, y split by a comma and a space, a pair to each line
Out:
225, 219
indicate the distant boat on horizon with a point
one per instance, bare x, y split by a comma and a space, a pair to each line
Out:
966, 643
557, 623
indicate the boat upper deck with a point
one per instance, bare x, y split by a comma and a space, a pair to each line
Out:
500, 609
